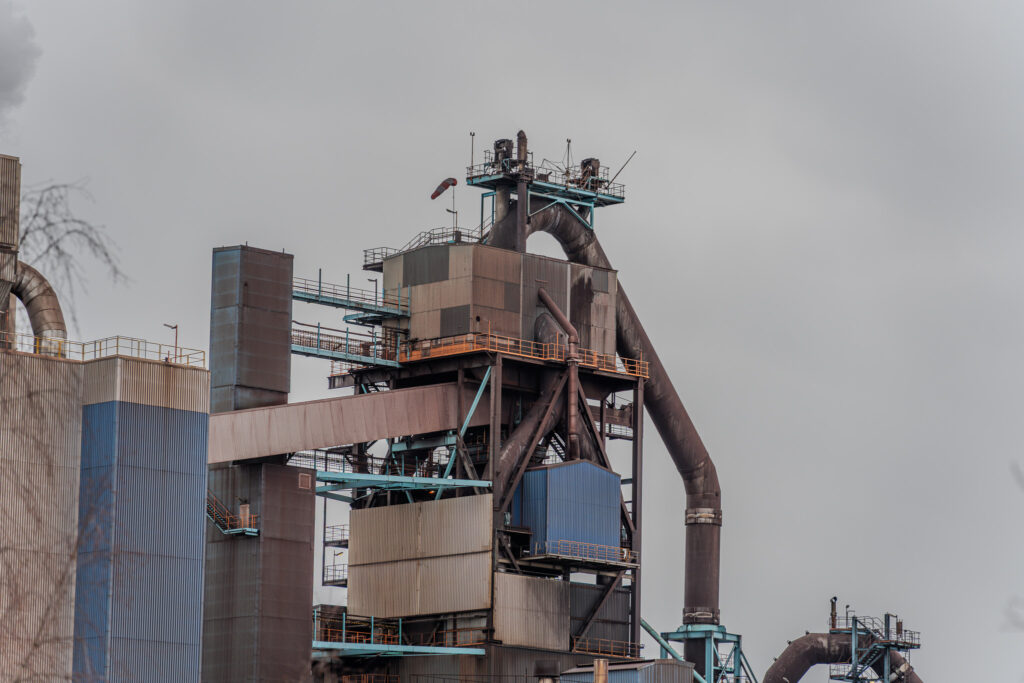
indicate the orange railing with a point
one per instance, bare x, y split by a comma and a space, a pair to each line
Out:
585, 551
603, 646
371, 678
485, 341
348, 635
457, 637
224, 518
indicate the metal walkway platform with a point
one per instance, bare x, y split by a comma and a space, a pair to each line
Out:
386, 650
376, 304
343, 345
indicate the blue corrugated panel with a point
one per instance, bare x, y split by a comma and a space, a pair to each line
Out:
138, 603
575, 501
630, 676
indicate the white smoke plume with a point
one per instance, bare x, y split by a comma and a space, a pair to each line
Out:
18, 55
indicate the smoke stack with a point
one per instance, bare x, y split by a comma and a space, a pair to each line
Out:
521, 150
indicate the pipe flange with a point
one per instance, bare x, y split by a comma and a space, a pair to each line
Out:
703, 516
700, 615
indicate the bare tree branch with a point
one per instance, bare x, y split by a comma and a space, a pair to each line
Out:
57, 242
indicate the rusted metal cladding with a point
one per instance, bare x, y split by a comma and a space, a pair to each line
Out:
231, 592
141, 498
553, 276
592, 306
259, 591
40, 458
497, 291
428, 544
10, 201
612, 621
250, 325
261, 432
533, 612
454, 526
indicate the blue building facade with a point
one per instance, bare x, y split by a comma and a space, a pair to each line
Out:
139, 575
576, 501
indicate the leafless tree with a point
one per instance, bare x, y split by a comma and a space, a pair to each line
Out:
44, 527
59, 243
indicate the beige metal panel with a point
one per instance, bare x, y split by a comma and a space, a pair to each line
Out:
392, 276
273, 430
488, 292
498, 264
531, 612
147, 382
40, 453
425, 325
502, 322
460, 261
10, 200
452, 526
453, 583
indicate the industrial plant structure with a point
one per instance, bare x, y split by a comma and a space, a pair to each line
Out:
490, 532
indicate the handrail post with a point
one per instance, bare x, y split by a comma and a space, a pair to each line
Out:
318, 336
319, 283
348, 286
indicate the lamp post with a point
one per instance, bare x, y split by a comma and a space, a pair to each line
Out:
175, 328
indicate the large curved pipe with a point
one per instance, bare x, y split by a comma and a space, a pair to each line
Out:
40, 301
827, 648
703, 492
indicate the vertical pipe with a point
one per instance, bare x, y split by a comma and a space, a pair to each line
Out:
522, 213
573, 361
600, 671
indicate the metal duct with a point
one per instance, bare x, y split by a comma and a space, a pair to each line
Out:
703, 493
827, 648
40, 301
573, 361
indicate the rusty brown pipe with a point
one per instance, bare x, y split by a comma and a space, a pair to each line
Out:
827, 648
700, 479
572, 415
40, 301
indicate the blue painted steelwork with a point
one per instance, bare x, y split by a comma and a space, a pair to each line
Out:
139, 572
337, 481
872, 642
465, 426
420, 444
724, 659
385, 650
576, 501
349, 298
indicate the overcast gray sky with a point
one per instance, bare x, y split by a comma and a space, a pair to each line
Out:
821, 233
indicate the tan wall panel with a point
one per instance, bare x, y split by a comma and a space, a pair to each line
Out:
498, 264
273, 430
460, 261
531, 612
453, 583
418, 530
147, 382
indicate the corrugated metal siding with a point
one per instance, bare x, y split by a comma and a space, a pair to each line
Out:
148, 382
259, 591
40, 457
611, 623
574, 501
450, 583
141, 515
10, 200
420, 530
657, 671
532, 612
250, 323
